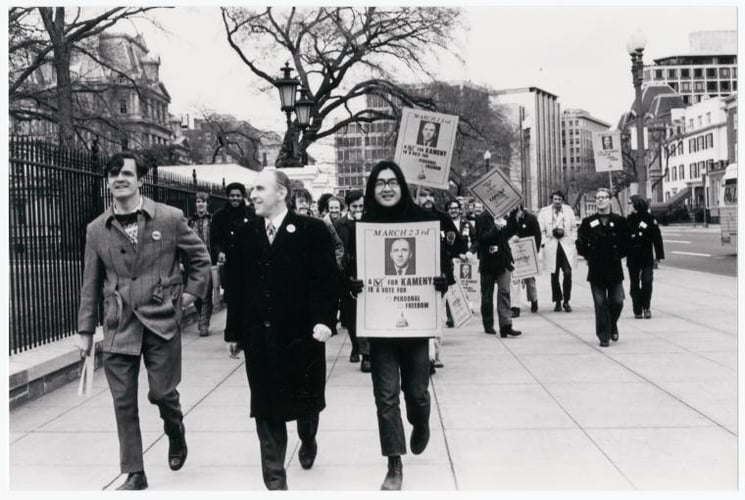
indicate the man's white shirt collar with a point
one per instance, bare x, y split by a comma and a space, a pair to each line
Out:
277, 220
118, 211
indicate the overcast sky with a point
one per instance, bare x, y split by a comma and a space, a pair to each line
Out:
576, 52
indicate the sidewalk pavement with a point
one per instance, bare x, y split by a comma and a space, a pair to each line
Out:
549, 410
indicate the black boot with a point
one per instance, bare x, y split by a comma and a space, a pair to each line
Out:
395, 475
508, 331
533, 306
135, 481
365, 366
177, 449
419, 438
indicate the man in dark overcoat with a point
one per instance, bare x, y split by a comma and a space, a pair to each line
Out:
286, 292
603, 240
132, 256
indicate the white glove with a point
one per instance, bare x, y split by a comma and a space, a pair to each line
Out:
321, 332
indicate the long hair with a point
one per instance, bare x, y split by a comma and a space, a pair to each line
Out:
375, 212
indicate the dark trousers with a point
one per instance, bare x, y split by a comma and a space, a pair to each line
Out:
641, 287
163, 364
348, 314
562, 264
204, 307
608, 300
399, 365
503, 281
273, 447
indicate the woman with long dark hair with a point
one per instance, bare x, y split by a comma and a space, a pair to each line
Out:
397, 363
645, 239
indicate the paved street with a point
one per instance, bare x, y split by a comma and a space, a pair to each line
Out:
698, 248
549, 410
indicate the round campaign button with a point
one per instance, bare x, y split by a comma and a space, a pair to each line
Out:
290, 228
156, 235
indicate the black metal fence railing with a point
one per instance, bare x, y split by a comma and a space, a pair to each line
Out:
53, 194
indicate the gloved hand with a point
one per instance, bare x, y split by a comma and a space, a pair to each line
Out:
441, 284
355, 286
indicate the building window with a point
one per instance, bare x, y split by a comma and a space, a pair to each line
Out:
723, 72
698, 73
699, 143
708, 118
691, 145
692, 170
711, 86
711, 72
681, 173
672, 74
675, 173
685, 73
698, 86
724, 86
123, 106
709, 140
685, 86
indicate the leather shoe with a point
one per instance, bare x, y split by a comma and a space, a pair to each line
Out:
419, 438
614, 336
354, 358
567, 307
557, 307
534, 306
135, 481
604, 343
490, 330
177, 449
365, 366
647, 314
515, 312
395, 475
307, 454
449, 323
509, 331
638, 316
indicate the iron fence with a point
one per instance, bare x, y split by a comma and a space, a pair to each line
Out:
53, 194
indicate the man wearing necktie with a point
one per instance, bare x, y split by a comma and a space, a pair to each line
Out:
401, 255
281, 314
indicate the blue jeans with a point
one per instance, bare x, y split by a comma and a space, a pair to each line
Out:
608, 300
399, 365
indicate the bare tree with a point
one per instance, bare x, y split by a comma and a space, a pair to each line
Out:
50, 37
342, 55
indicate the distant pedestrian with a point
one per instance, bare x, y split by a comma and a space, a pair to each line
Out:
283, 307
348, 310
398, 364
132, 255
495, 266
558, 228
603, 240
523, 224
462, 224
200, 223
646, 249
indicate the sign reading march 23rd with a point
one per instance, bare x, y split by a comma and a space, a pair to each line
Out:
425, 146
397, 263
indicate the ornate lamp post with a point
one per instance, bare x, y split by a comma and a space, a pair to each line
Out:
487, 157
635, 47
288, 88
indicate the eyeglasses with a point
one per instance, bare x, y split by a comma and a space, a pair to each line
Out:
391, 183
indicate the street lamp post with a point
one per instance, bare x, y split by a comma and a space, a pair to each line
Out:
635, 47
288, 89
487, 157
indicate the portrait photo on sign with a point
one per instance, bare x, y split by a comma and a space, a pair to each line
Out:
607, 142
400, 256
465, 271
428, 134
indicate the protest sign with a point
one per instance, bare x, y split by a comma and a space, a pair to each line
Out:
460, 309
397, 263
525, 256
495, 191
425, 147
467, 274
606, 147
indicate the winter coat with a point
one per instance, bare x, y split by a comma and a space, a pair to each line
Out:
645, 238
603, 246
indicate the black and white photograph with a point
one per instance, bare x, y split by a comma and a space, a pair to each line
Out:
451, 248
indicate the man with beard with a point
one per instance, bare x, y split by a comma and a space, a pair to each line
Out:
454, 244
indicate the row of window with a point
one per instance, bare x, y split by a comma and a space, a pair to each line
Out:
366, 128
700, 87
350, 181
695, 170
672, 73
695, 144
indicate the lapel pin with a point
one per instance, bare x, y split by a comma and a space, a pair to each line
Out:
156, 235
290, 228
